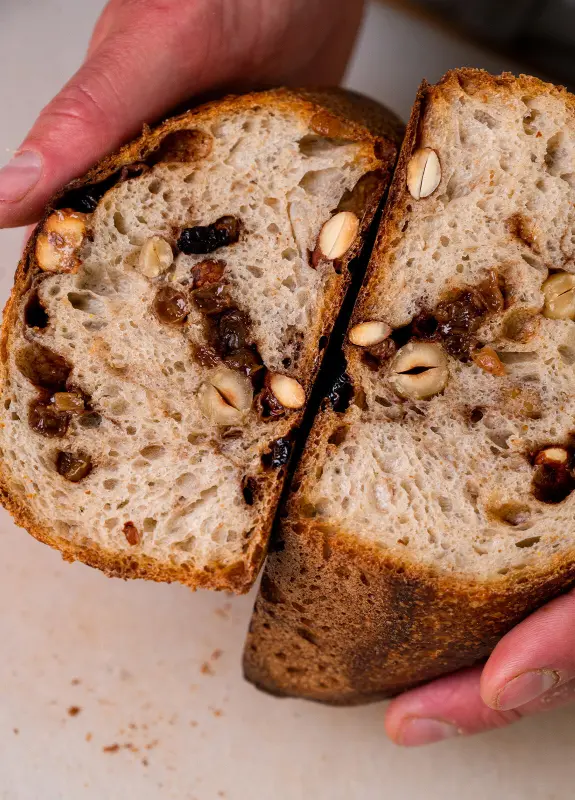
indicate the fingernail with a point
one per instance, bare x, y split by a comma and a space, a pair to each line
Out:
19, 176
525, 688
415, 731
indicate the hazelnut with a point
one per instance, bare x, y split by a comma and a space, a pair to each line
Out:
368, 334
423, 173
552, 455
226, 396
60, 240
521, 325
488, 360
419, 370
559, 292
338, 235
155, 257
287, 391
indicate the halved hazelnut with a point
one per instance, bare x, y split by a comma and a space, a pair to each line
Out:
155, 257
226, 397
287, 391
488, 360
423, 173
338, 235
559, 292
552, 455
419, 370
368, 334
60, 240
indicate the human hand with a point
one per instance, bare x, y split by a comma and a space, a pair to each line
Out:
531, 670
147, 56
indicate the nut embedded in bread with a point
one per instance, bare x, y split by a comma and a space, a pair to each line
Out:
162, 300
423, 525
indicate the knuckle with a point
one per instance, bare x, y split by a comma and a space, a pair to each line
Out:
75, 103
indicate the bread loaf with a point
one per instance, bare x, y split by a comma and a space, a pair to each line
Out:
166, 324
434, 512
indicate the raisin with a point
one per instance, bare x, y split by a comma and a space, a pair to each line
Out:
73, 467
383, 351
268, 405
207, 273
35, 315
171, 306
232, 332
491, 294
43, 367
203, 239
341, 393
86, 198
183, 147
46, 420
246, 360
552, 483
90, 420
206, 356
132, 534
211, 299
278, 455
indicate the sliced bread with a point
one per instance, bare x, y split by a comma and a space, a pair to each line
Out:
165, 326
437, 510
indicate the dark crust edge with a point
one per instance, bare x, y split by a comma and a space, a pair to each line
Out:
363, 121
344, 623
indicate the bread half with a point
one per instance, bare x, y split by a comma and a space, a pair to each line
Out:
165, 326
434, 512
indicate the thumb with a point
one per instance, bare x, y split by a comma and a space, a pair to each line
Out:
142, 67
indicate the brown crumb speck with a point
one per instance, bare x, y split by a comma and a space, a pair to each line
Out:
217, 712
206, 669
152, 744
75, 681
88, 737
73, 711
224, 611
217, 654
145, 762
16, 731
111, 748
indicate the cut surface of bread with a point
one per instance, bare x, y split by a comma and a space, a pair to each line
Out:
165, 326
433, 513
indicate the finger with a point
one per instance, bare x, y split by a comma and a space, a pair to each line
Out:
130, 78
452, 706
535, 657
448, 707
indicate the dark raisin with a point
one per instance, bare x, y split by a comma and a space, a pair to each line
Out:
341, 394
203, 239
73, 467
490, 291
44, 419
232, 332
211, 299
132, 534
207, 273
383, 351
35, 315
43, 367
458, 344
90, 420
279, 454
249, 487
171, 306
86, 199
423, 327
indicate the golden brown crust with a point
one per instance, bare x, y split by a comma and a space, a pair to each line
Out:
355, 118
345, 623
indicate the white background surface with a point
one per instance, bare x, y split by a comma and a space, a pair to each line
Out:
131, 656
